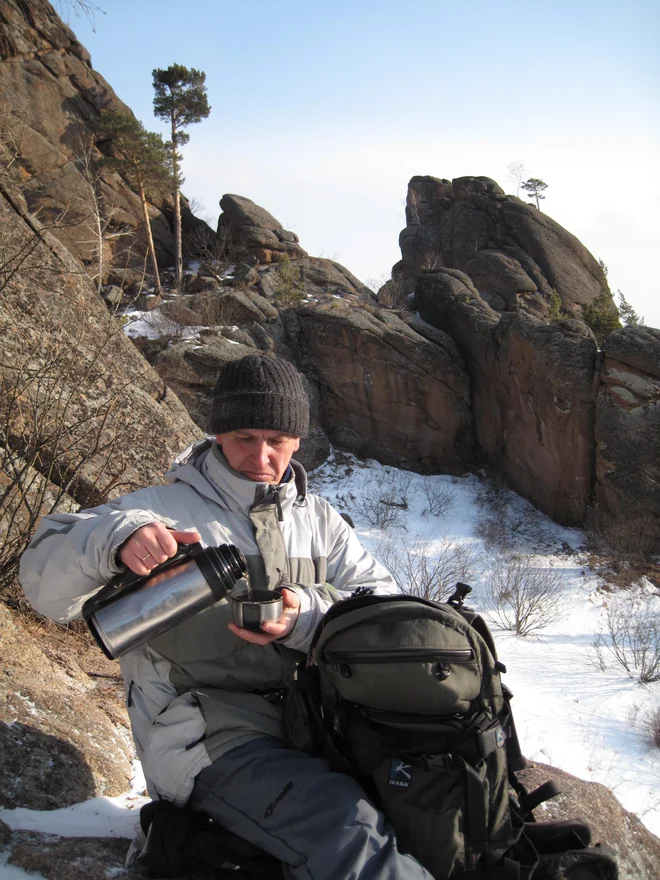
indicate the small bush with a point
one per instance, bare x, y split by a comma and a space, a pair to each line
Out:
440, 498
383, 503
554, 312
524, 598
428, 569
378, 508
602, 317
632, 635
291, 284
654, 727
505, 518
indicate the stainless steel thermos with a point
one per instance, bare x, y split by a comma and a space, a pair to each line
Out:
130, 610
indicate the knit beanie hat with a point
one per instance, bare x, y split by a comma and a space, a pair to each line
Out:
260, 392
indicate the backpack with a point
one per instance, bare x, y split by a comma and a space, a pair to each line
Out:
405, 694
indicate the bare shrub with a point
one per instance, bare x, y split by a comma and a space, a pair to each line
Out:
632, 635
504, 518
654, 727
524, 597
56, 428
440, 498
429, 569
378, 508
384, 501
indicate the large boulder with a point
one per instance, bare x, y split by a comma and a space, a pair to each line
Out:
516, 256
627, 433
388, 390
251, 231
637, 850
77, 395
50, 102
532, 390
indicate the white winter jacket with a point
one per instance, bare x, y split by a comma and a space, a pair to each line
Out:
198, 691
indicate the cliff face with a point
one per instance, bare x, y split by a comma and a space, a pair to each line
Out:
568, 426
515, 256
50, 102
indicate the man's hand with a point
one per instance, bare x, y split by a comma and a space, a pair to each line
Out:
273, 629
152, 544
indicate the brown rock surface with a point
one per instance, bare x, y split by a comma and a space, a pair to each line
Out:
387, 391
64, 732
637, 850
627, 432
533, 392
55, 329
50, 102
508, 248
256, 232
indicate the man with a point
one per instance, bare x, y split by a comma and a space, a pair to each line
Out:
200, 697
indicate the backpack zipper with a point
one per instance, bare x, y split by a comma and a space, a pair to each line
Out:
407, 655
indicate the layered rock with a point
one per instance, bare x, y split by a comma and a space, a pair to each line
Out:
103, 419
252, 231
627, 432
532, 389
50, 103
389, 390
516, 256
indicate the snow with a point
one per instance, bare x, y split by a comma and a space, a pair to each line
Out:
154, 325
586, 720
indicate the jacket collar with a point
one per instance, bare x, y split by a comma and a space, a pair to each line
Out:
204, 467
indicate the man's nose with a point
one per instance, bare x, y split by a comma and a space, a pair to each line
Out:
261, 453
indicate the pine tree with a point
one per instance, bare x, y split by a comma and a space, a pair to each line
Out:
144, 160
534, 187
180, 100
627, 314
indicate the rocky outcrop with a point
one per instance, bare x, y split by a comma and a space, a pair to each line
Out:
637, 850
75, 389
50, 102
251, 231
532, 389
515, 255
389, 390
627, 432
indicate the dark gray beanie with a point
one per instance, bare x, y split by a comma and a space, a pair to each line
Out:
260, 392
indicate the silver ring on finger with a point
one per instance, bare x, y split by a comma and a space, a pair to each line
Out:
142, 558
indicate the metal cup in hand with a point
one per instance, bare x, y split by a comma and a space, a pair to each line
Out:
252, 610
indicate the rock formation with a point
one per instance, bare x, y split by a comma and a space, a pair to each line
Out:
532, 390
627, 434
50, 102
515, 255
509, 286
254, 232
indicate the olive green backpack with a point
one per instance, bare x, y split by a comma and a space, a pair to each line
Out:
405, 694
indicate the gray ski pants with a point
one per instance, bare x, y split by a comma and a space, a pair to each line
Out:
319, 824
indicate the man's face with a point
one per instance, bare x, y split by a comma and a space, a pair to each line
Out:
259, 455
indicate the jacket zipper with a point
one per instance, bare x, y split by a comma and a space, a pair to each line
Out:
407, 655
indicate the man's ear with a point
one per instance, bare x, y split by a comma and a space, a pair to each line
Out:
297, 444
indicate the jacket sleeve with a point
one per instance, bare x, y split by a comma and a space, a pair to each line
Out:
349, 566
73, 554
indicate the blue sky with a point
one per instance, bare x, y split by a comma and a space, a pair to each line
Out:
321, 112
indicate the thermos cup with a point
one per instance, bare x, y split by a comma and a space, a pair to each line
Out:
251, 610
130, 610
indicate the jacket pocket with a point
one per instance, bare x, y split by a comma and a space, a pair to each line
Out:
175, 751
